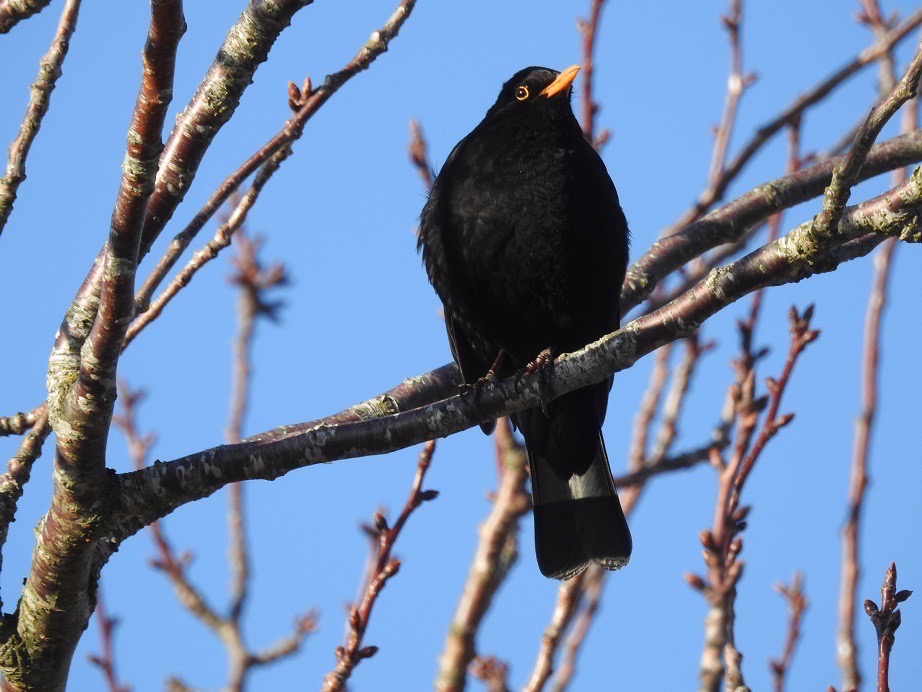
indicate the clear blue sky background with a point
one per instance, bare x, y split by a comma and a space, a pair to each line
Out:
361, 316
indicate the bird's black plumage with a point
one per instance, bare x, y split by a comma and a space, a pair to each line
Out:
525, 242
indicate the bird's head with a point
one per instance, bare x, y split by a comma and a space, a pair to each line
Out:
535, 89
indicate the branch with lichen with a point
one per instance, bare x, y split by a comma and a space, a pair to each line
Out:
808, 98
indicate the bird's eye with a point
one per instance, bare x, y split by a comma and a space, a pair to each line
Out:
521, 92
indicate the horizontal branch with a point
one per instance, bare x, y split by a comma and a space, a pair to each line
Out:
729, 222
157, 490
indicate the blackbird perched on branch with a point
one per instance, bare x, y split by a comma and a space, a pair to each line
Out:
525, 242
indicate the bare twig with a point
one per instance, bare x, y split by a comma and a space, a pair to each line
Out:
309, 102
886, 619
497, 551
720, 660
646, 411
18, 470
419, 153
49, 69
21, 422
797, 604
795, 110
737, 83
846, 641
228, 628
592, 593
589, 29
569, 595
222, 239
106, 660
382, 569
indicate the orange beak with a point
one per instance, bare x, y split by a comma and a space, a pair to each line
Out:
563, 81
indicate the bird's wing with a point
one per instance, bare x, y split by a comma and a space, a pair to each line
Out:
472, 367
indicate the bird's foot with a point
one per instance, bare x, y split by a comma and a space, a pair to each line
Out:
544, 360
543, 364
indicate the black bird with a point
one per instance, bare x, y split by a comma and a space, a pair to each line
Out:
525, 242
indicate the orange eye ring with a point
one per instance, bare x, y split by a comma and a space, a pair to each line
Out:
521, 92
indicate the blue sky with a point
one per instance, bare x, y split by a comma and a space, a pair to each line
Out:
360, 316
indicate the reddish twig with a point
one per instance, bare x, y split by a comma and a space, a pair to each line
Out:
592, 593
589, 28
491, 672
886, 619
646, 410
737, 83
222, 239
795, 110
419, 154
797, 604
174, 566
382, 568
846, 641
106, 660
49, 70
720, 660
309, 102
569, 595
497, 551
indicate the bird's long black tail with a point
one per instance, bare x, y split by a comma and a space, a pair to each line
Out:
578, 517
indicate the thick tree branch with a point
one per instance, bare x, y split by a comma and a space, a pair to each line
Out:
820, 91
727, 223
156, 491
246, 47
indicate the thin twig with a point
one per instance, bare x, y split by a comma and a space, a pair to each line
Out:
720, 659
222, 239
383, 567
569, 595
419, 153
497, 551
886, 620
737, 83
589, 28
18, 471
592, 593
797, 604
49, 69
21, 422
106, 660
308, 102
846, 641
795, 110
